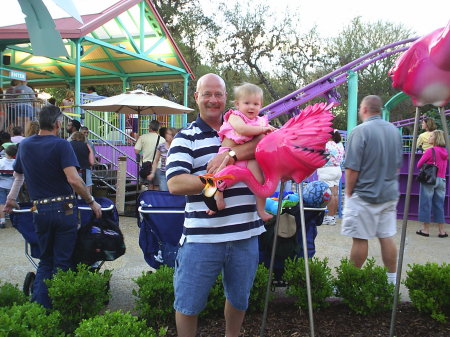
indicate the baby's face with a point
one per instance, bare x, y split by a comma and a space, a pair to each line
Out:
249, 105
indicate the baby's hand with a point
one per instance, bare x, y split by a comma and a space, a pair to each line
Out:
268, 129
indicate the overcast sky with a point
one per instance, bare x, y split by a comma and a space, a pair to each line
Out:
422, 16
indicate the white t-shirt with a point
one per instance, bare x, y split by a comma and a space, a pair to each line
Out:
6, 179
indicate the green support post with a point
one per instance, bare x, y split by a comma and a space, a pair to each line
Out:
352, 112
77, 57
185, 96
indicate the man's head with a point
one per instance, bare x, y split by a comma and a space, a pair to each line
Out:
50, 118
73, 126
153, 126
90, 90
211, 96
17, 131
370, 106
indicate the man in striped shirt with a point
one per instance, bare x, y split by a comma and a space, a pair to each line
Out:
225, 242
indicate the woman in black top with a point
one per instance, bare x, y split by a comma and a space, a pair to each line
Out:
83, 151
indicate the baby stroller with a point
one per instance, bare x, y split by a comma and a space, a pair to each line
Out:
161, 217
290, 245
22, 220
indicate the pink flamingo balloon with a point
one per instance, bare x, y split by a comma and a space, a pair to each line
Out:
294, 151
423, 71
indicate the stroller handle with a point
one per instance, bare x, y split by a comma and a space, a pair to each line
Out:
84, 208
158, 210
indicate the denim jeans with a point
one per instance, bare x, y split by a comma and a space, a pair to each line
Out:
57, 235
198, 264
162, 180
431, 200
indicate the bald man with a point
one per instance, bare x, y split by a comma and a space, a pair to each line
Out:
226, 242
373, 159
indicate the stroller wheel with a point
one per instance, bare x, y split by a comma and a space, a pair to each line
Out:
28, 284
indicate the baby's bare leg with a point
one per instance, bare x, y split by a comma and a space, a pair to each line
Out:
260, 202
218, 197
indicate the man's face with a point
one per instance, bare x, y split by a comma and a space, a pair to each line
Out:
69, 127
211, 97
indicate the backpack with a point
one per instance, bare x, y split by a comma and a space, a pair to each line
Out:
99, 240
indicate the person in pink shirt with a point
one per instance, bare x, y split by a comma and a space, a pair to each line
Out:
239, 127
431, 197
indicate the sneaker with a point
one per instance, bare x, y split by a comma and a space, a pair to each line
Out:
329, 220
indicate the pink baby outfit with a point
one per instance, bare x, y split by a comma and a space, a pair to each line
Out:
227, 131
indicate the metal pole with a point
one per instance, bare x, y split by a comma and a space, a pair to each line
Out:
445, 129
404, 224
272, 259
305, 256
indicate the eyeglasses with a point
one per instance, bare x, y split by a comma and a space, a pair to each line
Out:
217, 95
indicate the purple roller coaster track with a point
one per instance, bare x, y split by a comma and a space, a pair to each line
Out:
325, 86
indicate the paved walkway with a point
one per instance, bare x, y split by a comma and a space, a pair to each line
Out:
329, 243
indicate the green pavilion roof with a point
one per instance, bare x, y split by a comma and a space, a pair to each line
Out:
124, 43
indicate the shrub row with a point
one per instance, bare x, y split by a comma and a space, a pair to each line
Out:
78, 297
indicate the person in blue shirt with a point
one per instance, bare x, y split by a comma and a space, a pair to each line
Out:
49, 166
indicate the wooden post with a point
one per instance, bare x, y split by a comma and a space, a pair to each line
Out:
120, 187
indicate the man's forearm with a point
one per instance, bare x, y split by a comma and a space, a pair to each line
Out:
185, 184
80, 188
247, 151
351, 177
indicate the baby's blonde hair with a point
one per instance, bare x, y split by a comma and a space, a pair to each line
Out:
247, 89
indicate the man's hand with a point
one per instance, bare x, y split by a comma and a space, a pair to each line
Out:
219, 162
10, 205
96, 209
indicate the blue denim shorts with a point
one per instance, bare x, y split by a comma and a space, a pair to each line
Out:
3, 194
198, 265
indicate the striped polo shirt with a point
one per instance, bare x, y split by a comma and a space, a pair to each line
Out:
190, 152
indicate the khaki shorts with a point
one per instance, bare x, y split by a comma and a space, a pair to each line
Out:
331, 175
364, 220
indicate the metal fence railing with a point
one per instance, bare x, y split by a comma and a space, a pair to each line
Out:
18, 111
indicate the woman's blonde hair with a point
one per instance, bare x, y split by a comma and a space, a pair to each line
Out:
430, 123
439, 139
70, 94
247, 89
77, 135
32, 128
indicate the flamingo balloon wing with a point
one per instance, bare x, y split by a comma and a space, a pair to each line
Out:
300, 144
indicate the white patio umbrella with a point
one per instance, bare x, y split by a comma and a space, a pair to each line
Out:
138, 102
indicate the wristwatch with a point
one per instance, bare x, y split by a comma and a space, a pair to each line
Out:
232, 154
90, 200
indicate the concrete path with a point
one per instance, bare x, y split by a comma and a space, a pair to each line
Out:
329, 243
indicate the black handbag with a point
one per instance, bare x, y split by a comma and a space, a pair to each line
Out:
428, 172
99, 240
146, 168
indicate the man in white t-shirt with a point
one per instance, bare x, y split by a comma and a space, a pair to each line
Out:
146, 145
